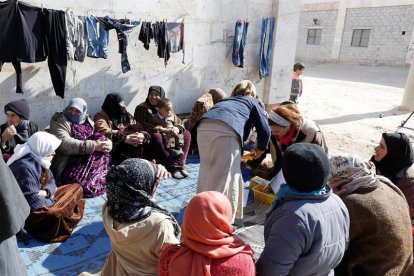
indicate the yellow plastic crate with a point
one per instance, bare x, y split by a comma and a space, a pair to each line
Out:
257, 180
263, 193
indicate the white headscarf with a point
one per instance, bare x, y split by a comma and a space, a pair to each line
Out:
41, 144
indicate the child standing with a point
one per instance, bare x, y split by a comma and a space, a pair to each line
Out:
297, 85
168, 124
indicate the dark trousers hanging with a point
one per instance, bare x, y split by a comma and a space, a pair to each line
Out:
239, 43
56, 41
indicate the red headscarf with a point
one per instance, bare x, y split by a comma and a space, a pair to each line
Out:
207, 234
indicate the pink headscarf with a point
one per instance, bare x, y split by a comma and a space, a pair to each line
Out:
207, 234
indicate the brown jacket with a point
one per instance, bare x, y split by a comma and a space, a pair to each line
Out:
103, 124
405, 182
380, 233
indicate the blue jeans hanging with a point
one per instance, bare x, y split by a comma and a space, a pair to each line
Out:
265, 60
240, 37
97, 38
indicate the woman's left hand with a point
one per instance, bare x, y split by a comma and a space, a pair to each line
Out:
176, 130
162, 172
42, 193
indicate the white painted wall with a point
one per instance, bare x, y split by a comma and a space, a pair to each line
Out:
209, 29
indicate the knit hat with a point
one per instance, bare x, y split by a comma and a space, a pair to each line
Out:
305, 167
20, 107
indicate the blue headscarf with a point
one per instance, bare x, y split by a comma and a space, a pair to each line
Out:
80, 105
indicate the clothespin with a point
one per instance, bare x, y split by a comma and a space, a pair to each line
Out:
41, 6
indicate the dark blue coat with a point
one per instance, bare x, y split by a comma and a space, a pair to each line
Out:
27, 172
242, 113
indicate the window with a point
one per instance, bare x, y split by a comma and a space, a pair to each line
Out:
314, 36
360, 37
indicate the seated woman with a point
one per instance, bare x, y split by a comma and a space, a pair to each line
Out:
138, 227
118, 125
54, 213
288, 127
380, 227
144, 115
208, 246
18, 127
83, 157
203, 104
394, 158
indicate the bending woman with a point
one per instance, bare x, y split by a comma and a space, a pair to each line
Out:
115, 122
54, 213
83, 157
394, 158
290, 127
220, 135
138, 227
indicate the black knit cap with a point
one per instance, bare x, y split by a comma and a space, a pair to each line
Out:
305, 167
20, 107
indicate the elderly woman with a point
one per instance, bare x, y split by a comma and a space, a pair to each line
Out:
220, 136
138, 227
208, 246
83, 157
380, 227
146, 115
18, 127
288, 127
307, 230
54, 213
115, 122
13, 213
393, 159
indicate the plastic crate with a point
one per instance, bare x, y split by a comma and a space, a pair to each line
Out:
257, 180
262, 193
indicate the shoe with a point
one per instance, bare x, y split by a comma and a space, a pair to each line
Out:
177, 175
176, 152
184, 173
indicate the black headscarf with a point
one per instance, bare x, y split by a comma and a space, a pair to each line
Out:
160, 91
399, 155
129, 188
117, 113
13, 206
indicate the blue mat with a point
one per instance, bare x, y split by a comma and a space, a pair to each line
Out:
87, 248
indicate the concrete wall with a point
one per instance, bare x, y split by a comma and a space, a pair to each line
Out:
386, 44
327, 22
209, 30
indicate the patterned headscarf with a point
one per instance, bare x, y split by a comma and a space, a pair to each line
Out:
349, 173
400, 155
129, 187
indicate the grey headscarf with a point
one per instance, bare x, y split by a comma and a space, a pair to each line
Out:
129, 187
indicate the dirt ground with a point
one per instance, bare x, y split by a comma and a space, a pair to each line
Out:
355, 104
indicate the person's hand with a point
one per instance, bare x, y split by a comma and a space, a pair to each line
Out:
8, 133
175, 130
103, 145
42, 193
135, 139
257, 153
162, 172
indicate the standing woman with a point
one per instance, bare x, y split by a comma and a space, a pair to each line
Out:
83, 157
290, 127
18, 127
220, 136
394, 158
115, 122
144, 115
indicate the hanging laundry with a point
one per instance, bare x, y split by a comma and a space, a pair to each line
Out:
175, 32
76, 37
146, 34
56, 39
239, 43
156, 32
122, 27
97, 38
24, 38
265, 59
163, 49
